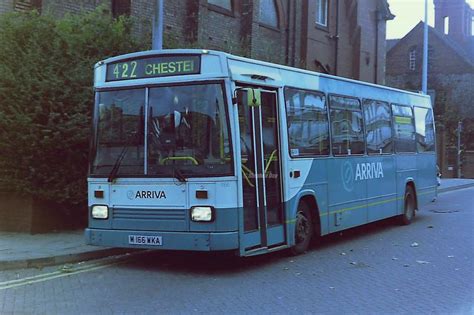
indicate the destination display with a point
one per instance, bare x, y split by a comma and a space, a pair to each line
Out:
152, 67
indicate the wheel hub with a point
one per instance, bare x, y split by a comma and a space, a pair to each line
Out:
302, 227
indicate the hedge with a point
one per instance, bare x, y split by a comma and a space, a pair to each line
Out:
46, 98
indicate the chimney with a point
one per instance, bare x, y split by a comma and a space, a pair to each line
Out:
454, 18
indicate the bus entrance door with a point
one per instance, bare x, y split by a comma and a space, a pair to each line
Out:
261, 170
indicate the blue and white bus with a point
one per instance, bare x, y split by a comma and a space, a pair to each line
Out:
202, 150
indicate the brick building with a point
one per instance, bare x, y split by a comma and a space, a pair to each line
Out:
342, 37
450, 70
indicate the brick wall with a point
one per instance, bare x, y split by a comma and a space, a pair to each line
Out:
355, 50
141, 12
366, 18
467, 168
219, 30
449, 74
176, 23
268, 44
297, 41
347, 37
442, 58
60, 8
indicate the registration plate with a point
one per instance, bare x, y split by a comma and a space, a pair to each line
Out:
145, 240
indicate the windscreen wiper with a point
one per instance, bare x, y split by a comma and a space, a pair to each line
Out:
178, 175
128, 142
114, 171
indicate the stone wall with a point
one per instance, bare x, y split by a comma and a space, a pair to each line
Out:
28, 215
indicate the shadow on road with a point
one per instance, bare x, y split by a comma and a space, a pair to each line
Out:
222, 263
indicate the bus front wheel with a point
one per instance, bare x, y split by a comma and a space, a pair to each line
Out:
303, 229
409, 207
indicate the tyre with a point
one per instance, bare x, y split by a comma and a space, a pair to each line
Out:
409, 207
304, 229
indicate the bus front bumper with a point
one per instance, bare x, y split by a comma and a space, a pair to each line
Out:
194, 241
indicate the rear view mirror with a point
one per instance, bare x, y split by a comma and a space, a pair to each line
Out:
254, 98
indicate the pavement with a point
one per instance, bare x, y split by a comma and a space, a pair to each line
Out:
22, 250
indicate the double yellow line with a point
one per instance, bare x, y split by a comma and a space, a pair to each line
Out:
65, 271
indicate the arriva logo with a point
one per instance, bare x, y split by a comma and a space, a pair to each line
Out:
369, 171
146, 194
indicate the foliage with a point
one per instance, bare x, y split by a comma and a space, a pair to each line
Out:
46, 97
447, 116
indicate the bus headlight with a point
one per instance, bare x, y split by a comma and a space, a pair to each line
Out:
202, 214
100, 212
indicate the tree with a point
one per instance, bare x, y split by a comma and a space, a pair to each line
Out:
46, 98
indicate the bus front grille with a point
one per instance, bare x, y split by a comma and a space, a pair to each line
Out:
149, 214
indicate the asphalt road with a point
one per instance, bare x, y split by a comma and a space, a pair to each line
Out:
426, 267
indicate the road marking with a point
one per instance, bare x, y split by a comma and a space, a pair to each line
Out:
62, 273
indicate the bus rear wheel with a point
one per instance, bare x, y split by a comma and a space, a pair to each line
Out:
409, 207
304, 229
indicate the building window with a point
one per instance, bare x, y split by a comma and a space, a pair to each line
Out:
120, 7
224, 4
412, 59
446, 25
322, 12
268, 13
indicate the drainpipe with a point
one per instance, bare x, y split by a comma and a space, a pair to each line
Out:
293, 57
287, 57
337, 36
424, 76
378, 16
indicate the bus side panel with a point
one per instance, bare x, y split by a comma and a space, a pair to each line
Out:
312, 181
318, 182
381, 188
406, 172
347, 193
426, 184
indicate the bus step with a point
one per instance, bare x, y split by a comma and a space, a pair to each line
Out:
264, 250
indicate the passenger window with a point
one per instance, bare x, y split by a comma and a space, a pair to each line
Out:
425, 134
308, 129
346, 126
378, 127
404, 129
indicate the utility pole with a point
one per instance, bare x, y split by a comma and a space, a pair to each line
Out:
458, 162
424, 76
157, 35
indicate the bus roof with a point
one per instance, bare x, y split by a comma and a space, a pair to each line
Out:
226, 56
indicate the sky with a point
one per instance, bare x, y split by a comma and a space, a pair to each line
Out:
408, 14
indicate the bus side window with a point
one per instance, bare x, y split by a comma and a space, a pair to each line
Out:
404, 129
424, 125
378, 126
346, 125
308, 127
